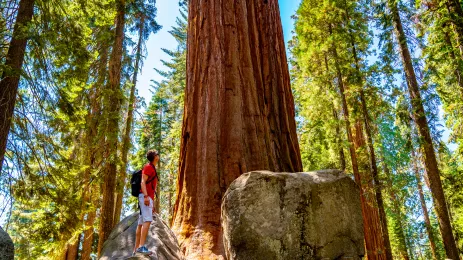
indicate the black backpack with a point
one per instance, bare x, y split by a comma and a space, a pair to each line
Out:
135, 181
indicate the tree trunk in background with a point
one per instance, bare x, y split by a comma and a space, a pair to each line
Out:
128, 127
113, 102
427, 221
239, 113
371, 224
91, 189
377, 184
73, 249
372, 220
397, 215
372, 156
419, 117
10, 78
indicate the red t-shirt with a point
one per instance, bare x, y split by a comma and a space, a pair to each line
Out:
148, 169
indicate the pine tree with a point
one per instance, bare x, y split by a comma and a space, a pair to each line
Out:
419, 116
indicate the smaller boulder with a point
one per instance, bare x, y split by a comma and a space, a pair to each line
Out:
161, 240
6, 246
314, 215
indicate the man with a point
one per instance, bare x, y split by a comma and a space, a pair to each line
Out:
149, 182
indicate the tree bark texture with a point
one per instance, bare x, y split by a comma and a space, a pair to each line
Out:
374, 172
427, 146
113, 102
10, 77
372, 221
238, 114
374, 246
73, 249
427, 221
128, 127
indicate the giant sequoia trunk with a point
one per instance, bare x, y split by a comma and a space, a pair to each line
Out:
239, 113
113, 101
10, 77
427, 146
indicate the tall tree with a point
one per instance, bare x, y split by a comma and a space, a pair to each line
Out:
419, 117
144, 14
10, 76
239, 113
113, 103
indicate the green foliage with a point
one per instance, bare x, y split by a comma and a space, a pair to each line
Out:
160, 126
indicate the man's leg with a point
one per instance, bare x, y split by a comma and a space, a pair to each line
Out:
137, 238
144, 232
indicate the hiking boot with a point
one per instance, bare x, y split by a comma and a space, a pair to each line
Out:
143, 250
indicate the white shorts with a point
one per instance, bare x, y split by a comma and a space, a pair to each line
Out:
146, 212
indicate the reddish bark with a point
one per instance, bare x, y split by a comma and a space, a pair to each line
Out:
10, 78
373, 171
374, 246
113, 101
72, 250
429, 156
238, 116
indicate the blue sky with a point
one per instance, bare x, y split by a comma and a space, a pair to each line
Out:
168, 10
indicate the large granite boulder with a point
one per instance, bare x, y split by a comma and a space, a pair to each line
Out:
314, 215
6, 246
161, 240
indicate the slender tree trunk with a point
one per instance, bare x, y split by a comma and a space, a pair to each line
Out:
371, 223
113, 101
371, 149
424, 207
73, 249
11, 73
419, 117
397, 215
91, 189
128, 126
377, 184
238, 116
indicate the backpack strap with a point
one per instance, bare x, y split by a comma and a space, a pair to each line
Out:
155, 175
152, 179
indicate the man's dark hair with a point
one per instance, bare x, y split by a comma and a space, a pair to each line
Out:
151, 154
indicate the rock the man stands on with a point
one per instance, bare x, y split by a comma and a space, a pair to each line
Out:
149, 182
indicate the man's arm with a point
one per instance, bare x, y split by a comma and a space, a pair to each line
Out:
143, 189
